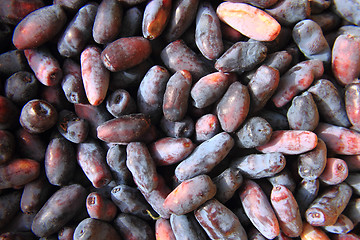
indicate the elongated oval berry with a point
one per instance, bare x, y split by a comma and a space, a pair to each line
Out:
327, 207
124, 129
345, 62
190, 194
311, 164
61, 207
205, 156
156, 15
206, 127
262, 86
72, 83
352, 103
39, 27
12, 61
219, 222
116, 159
328, 21
208, 37
248, 20
260, 165
339, 140
176, 96
330, 103
95, 76
100, 207
303, 113
107, 21
78, 32
60, 162
178, 56
335, 172
280, 60
92, 160
290, 142
18, 172
35, 194
233, 107
241, 56
142, 166
151, 91
297, 79
353, 162
45, 66
287, 211
125, 53
166, 151
130, 77
309, 37
257, 207
182, 15
209, 89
